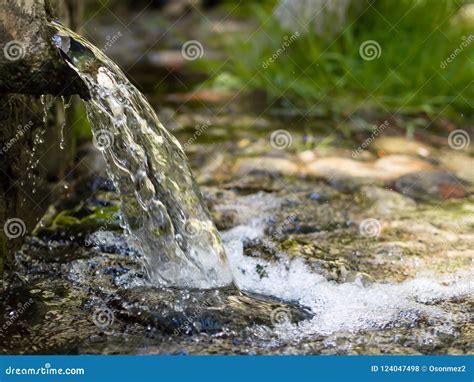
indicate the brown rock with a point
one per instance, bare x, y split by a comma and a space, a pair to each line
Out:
401, 145
342, 168
393, 166
280, 166
431, 185
460, 164
387, 168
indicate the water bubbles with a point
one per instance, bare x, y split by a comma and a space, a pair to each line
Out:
66, 103
339, 307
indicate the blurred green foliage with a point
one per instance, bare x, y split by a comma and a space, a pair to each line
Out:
415, 36
80, 125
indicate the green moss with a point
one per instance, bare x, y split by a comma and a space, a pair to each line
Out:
79, 219
289, 245
156, 232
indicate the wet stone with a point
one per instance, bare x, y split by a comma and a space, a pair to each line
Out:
384, 202
176, 312
432, 185
459, 164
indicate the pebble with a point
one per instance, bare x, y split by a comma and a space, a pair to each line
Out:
401, 145
431, 184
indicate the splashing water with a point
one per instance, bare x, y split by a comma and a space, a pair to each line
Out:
346, 307
162, 206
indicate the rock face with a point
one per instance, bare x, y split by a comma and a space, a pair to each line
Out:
29, 63
30, 67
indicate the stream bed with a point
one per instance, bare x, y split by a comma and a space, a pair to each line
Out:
322, 264
331, 248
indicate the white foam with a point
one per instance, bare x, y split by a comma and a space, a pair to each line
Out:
339, 307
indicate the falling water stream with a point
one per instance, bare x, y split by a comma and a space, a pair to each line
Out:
162, 207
